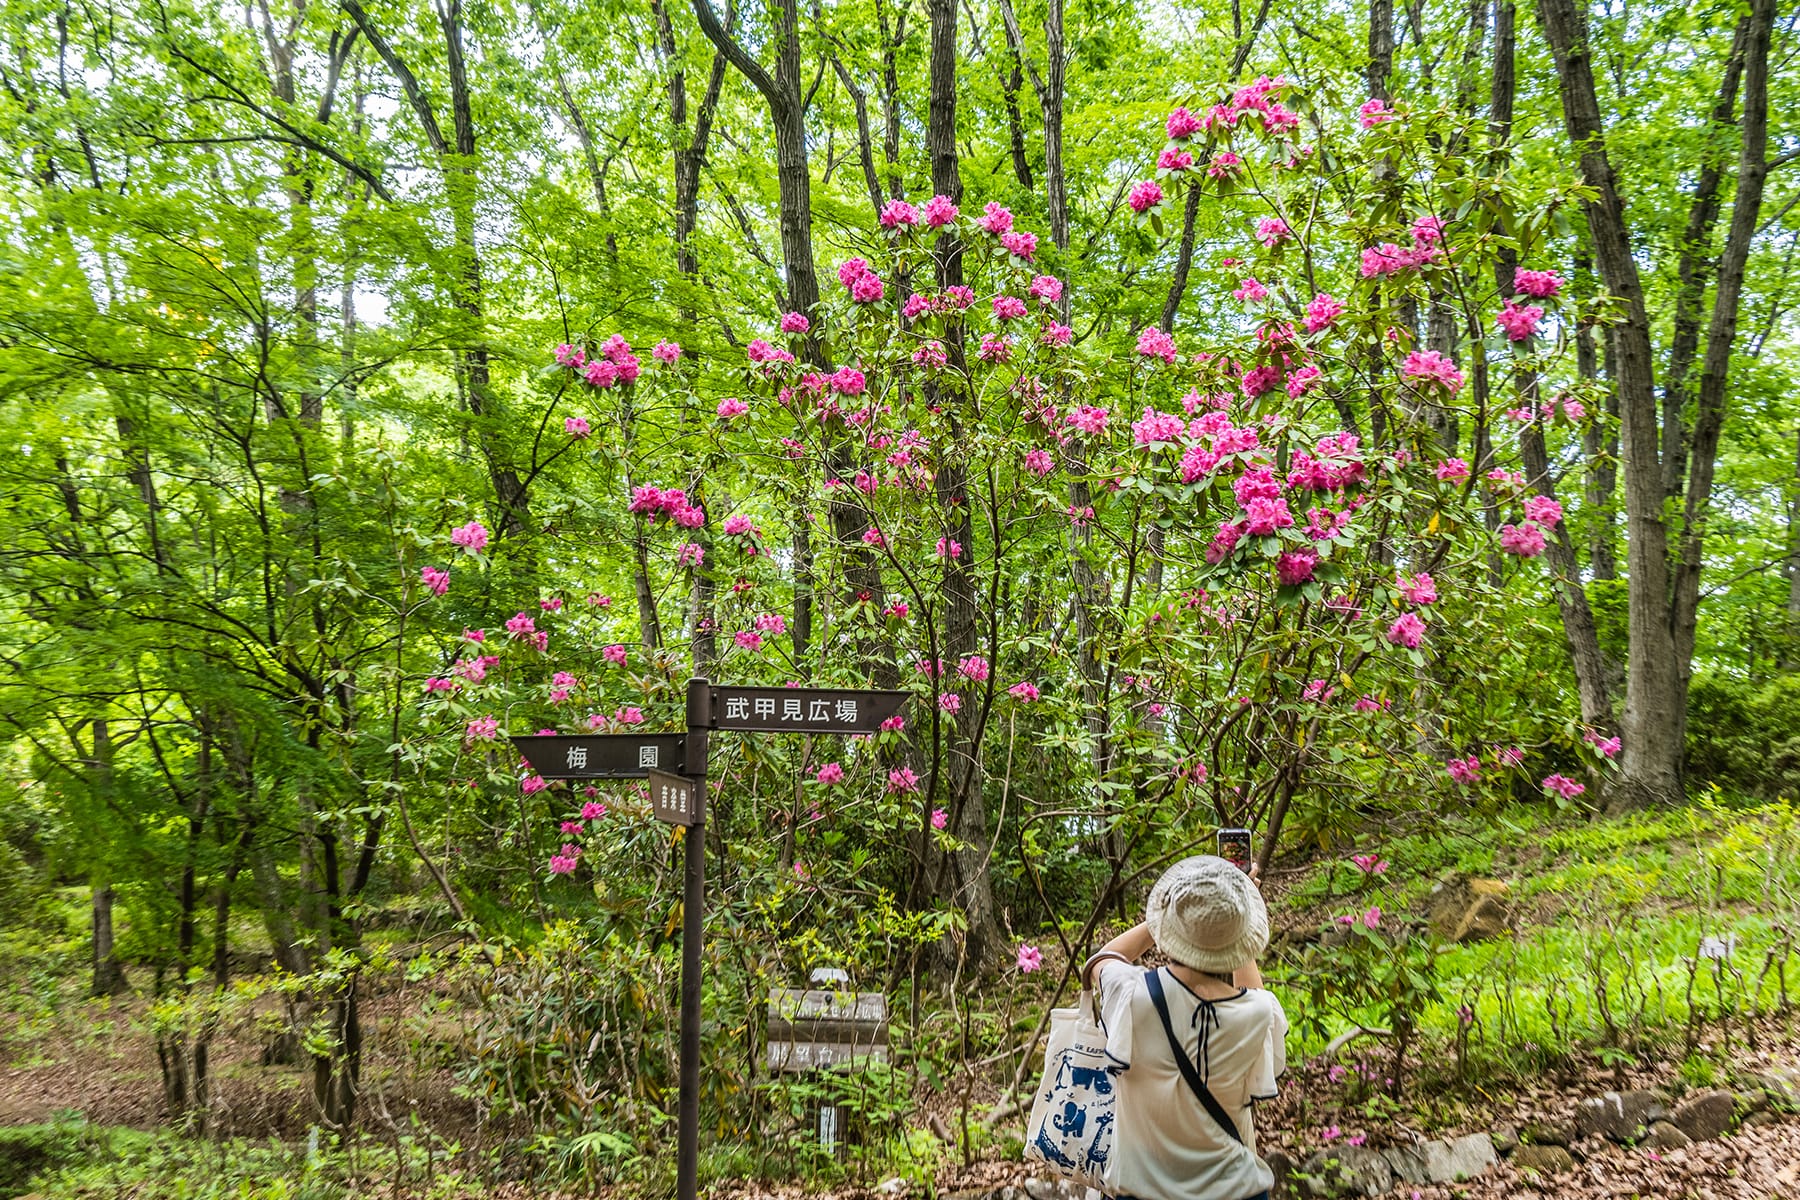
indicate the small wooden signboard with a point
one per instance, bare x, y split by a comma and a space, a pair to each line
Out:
676, 798
815, 1029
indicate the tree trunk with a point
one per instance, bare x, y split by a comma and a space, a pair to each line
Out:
109, 977
1651, 728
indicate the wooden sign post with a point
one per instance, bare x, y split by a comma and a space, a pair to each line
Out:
675, 765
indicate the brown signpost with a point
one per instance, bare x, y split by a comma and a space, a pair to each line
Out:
675, 765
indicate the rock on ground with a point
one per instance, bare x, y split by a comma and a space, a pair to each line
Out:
1619, 1116
1705, 1115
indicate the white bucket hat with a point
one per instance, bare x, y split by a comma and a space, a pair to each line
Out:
1206, 914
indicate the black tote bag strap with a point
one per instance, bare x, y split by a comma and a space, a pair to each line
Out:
1153, 980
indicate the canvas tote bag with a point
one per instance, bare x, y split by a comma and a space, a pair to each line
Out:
1071, 1127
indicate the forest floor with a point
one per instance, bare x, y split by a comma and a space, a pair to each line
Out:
67, 1062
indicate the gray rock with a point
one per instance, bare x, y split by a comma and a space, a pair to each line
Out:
1781, 1087
1619, 1116
1464, 908
1348, 1171
1054, 1189
1283, 1167
1751, 1102
1545, 1160
1549, 1133
1664, 1135
1705, 1115
1506, 1139
1757, 1120
1458, 1159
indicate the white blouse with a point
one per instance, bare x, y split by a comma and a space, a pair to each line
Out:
1165, 1146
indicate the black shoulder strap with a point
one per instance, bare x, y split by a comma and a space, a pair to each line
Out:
1153, 980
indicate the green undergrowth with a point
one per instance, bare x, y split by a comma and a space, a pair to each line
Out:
1652, 936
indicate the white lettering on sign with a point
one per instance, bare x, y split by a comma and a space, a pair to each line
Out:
577, 758
790, 709
820, 711
647, 756
765, 706
737, 708
846, 710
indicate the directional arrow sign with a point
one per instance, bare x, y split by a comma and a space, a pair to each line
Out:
802, 710
605, 755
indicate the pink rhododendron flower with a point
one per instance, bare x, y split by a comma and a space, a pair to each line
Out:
1182, 124
1145, 195
434, 684
996, 218
1020, 243
1172, 159
1295, 567
1250, 291
1056, 335
483, 729
737, 525
1224, 165
592, 811
551, 604
1303, 381
1039, 462
570, 356
1157, 427
690, 555
1008, 308
1544, 510
1378, 262
731, 407
1370, 864
1419, 589
1538, 284
794, 322
950, 702
831, 773
1464, 770
1452, 470
629, 715
576, 428
1024, 690
1373, 113
1089, 420
435, 580
1368, 703
1510, 756
1607, 746
1524, 539
902, 780
848, 381
1407, 630
939, 212
949, 548
896, 213
667, 353
866, 289
1154, 343
974, 667
771, 623
748, 639
562, 864
568, 827
959, 297
614, 654
472, 537
601, 373
1030, 958
1264, 516
994, 349
521, 626
1563, 786
1047, 288
1430, 366
1519, 322
940, 819
532, 784
1322, 312
931, 355
1371, 920
1272, 231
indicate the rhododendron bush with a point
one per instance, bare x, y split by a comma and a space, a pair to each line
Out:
1152, 580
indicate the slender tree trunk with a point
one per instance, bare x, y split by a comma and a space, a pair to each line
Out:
1651, 767
109, 977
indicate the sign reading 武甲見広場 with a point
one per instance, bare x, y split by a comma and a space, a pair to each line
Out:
803, 710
